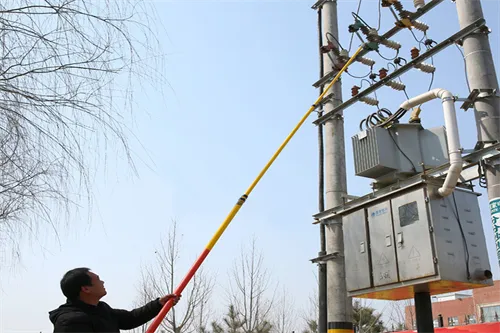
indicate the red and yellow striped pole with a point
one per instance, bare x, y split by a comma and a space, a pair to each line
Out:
241, 201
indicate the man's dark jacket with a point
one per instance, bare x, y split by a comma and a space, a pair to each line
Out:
79, 317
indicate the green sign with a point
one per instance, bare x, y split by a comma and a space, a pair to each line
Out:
495, 220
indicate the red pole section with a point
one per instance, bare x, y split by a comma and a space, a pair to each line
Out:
178, 291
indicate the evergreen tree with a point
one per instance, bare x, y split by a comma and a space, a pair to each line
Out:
232, 323
366, 320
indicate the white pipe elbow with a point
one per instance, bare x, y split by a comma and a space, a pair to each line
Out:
452, 177
450, 122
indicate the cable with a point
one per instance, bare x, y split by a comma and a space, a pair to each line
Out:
463, 237
399, 78
361, 77
401, 150
397, 54
379, 14
421, 41
482, 176
377, 116
357, 17
352, 33
378, 119
336, 40
465, 66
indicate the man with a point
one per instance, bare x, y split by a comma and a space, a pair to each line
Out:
84, 312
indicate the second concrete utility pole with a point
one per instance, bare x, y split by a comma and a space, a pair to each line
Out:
481, 75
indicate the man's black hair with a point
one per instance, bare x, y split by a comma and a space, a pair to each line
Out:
73, 281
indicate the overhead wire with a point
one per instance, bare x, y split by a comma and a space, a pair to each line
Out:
328, 35
399, 78
361, 86
361, 77
395, 57
379, 14
465, 66
357, 17
352, 34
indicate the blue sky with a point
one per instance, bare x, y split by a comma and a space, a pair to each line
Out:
240, 76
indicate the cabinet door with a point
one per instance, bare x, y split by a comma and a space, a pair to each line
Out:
356, 251
413, 239
383, 252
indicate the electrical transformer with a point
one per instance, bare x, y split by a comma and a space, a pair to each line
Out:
401, 151
411, 240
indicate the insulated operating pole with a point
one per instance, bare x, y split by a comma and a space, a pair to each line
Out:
339, 304
178, 291
482, 77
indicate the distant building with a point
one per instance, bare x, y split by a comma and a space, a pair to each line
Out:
480, 306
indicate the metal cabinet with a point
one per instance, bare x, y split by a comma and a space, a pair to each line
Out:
383, 253
414, 248
357, 251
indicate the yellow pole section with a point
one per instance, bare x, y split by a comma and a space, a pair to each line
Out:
241, 201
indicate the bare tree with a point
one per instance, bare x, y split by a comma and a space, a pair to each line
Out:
60, 104
192, 313
401, 315
311, 313
249, 291
284, 313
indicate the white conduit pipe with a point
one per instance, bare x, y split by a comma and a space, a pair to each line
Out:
450, 122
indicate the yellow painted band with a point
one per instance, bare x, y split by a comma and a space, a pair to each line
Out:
223, 226
339, 330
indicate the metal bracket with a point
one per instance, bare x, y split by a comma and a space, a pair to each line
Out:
403, 69
319, 4
327, 78
430, 176
492, 160
477, 94
332, 221
483, 30
326, 99
325, 258
351, 197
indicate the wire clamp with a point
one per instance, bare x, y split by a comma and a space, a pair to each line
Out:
475, 95
327, 257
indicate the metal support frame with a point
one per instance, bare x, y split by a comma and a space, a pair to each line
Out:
412, 16
323, 259
319, 4
490, 153
326, 78
403, 69
475, 95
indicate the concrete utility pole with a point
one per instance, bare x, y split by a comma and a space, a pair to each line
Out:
322, 299
339, 305
482, 76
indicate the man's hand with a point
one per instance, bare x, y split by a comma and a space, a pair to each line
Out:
166, 298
